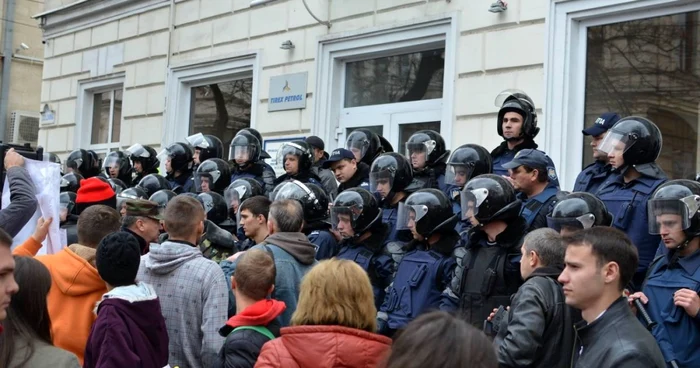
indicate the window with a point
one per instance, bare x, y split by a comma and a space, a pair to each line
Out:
651, 68
106, 116
221, 109
99, 116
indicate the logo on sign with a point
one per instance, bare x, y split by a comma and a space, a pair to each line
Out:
286, 87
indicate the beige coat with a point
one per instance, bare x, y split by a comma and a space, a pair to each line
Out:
45, 356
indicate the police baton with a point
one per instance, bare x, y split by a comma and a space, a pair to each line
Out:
647, 319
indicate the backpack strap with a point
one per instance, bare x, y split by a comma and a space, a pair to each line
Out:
260, 329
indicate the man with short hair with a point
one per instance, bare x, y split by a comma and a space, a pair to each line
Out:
254, 212
192, 289
347, 170
75, 283
142, 220
320, 155
593, 175
539, 325
8, 286
600, 263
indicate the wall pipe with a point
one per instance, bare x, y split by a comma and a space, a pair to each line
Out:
8, 39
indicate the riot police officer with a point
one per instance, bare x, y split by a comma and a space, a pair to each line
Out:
426, 151
116, 165
533, 175
263, 154
117, 185
84, 162
212, 175
144, 161
357, 218
162, 197
427, 267
246, 156
216, 244
178, 159
365, 145
577, 211
389, 177
71, 182
632, 145
297, 159
316, 225
319, 157
205, 146
348, 171
152, 183
465, 162
593, 175
68, 216
488, 267
52, 157
129, 193
517, 124
237, 192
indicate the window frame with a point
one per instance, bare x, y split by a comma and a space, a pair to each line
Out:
85, 108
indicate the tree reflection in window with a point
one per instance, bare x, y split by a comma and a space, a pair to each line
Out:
221, 109
399, 78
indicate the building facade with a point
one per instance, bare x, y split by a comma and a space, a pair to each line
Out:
119, 72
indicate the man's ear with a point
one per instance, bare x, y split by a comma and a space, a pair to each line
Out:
233, 282
272, 288
261, 219
165, 228
534, 259
611, 272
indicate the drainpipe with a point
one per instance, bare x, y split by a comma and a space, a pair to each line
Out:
8, 38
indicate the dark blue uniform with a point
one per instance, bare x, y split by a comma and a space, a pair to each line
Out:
592, 177
502, 155
536, 209
182, 184
309, 178
260, 171
326, 245
379, 267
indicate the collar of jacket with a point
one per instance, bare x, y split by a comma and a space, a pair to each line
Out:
444, 246
362, 174
503, 147
689, 263
590, 332
255, 168
511, 237
547, 271
375, 242
142, 242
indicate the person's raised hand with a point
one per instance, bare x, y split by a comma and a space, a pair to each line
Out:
13, 159
42, 229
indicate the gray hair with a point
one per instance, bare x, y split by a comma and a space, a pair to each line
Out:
287, 215
548, 245
128, 221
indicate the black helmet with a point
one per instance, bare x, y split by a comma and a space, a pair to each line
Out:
313, 198
466, 162
360, 205
117, 185
240, 190
393, 167
245, 146
429, 209
119, 161
365, 144
67, 201
263, 154
300, 149
162, 197
181, 156
579, 210
86, 163
209, 146
214, 174
130, 193
145, 155
71, 182
52, 157
641, 140
676, 197
428, 142
493, 198
214, 206
152, 183
514, 100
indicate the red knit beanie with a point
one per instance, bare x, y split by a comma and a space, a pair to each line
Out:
94, 191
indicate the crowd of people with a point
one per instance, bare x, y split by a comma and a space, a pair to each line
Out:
363, 257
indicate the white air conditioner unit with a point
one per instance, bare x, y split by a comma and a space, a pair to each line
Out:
23, 128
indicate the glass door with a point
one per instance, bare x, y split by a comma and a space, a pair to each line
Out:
404, 124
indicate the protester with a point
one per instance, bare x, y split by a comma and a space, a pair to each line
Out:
26, 339
129, 330
539, 325
142, 220
192, 289
22, 195
347, 170
593, 175
8, 286
320, 156
437, 340
255, 321
94, 191
600, 263
76, 284
333, 325
254, 216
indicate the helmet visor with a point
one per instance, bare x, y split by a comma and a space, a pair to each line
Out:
198, 141
204, 182
286, 150
137, 150
584, 221
471, 200
615, 142
111, 162
243, 153
409, 215
512, 94
234, 195
290, 190
358, 143
457, 174
671, 215
381, 182
345, 214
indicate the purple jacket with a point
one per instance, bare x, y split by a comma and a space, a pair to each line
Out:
129, 331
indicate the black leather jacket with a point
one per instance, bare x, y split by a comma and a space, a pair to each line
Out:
539, 329
616, 340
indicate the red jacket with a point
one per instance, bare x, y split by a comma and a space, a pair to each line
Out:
324, 346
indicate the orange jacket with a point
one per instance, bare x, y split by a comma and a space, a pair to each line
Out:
76, 287
324, 346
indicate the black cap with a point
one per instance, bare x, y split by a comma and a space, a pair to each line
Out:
118, 258
602, 124
316, 142
535, 159
337, 155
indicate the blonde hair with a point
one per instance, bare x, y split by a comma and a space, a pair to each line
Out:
336, 292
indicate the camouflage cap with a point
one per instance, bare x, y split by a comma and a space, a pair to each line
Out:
143, 208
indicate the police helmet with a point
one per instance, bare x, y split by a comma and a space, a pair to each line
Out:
360, 206
67, 202
393, 168
71, 182
300, 149
514, 100
212, 175
52, 157
214, 206
85, 162
489, 198
117, 162
117, 185
246, 147
130, 193
144, 155
579, 210
152, 183
640, 141
676, 197
240, 190
427, 142
263, 154
429, 210
181, 156
466, 162
313, 198
162, 197
365, 144
209, 146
